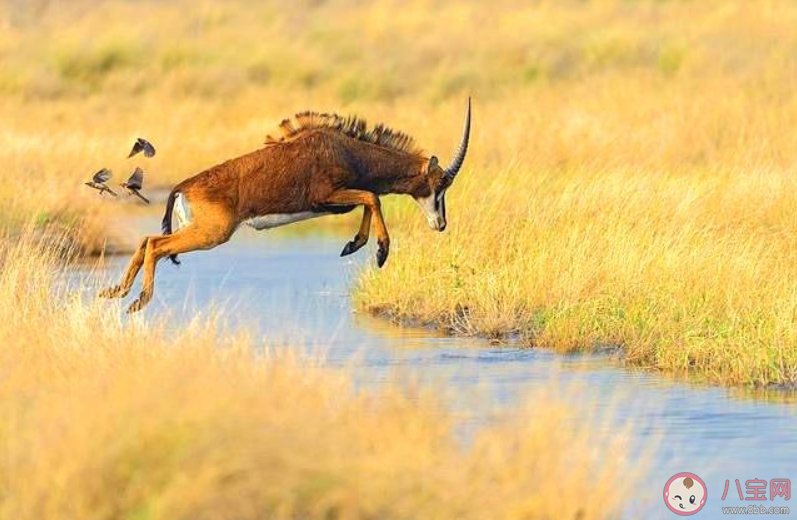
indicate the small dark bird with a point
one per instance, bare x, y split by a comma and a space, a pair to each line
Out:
98, 181
135, 183
140, 145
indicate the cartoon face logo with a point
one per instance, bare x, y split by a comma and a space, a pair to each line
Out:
685, 494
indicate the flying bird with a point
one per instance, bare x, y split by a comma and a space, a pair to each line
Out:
140, 145
98, 182
135, 183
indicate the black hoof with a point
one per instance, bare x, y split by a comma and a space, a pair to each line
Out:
381, 254
350, 248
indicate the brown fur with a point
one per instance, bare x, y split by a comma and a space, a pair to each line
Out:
321, 163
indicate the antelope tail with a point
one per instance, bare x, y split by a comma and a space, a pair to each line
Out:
166, 223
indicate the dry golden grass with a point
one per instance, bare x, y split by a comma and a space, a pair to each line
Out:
630, 179
104, 418
644, 209
663, 221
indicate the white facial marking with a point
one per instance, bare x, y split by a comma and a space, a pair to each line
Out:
280, 219
427, 207
430, 207
181, 211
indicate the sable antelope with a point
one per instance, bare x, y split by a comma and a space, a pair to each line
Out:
321, 164
135, 183
98, 181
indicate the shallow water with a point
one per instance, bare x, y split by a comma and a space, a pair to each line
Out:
295, 289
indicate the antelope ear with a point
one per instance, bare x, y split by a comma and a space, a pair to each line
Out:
433, 164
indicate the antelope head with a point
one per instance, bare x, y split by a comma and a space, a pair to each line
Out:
432, 200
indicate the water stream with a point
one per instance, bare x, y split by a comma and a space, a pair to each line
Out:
294, 289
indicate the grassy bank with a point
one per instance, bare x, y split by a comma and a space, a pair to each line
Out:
666, 226
106, 418
634, 209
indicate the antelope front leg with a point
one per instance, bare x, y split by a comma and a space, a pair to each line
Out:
361, 238
371, 202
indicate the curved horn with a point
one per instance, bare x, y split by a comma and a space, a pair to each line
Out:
453, 168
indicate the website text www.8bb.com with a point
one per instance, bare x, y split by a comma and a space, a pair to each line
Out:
755, 510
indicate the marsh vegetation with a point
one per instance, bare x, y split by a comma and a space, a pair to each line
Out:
630, 182
630, 179
104, 417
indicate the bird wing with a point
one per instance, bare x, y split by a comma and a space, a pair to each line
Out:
142, 144
149, 150
136, 180
102, 176
133, 151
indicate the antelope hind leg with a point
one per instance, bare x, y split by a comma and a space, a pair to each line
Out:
189, 239
121, 290
212, 224
156, 249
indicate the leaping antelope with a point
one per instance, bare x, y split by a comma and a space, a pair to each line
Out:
322, 164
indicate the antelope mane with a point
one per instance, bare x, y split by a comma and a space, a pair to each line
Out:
350, 126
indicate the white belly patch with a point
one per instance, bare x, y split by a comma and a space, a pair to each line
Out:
280, 219
181, 212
